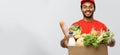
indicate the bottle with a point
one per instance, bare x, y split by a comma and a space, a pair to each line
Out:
71, 41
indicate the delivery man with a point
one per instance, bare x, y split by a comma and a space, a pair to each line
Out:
88, 22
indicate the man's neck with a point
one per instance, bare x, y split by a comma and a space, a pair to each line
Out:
88, 19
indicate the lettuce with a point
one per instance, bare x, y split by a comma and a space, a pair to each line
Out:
76, 31
90, 40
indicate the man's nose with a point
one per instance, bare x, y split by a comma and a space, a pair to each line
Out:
87, 8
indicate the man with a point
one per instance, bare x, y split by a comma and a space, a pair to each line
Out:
87, 23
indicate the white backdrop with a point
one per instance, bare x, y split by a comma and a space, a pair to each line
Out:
31, 27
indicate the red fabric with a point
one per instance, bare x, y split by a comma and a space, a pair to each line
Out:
83, 1
87, 26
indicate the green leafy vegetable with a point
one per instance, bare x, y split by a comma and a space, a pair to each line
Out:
107, 36
76, 30
90, 40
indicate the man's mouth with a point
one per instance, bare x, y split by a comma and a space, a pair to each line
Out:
87, 12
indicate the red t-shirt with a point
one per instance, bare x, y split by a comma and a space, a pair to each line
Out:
87, 26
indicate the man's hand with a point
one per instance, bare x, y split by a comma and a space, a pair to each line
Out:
64, 42
111, 43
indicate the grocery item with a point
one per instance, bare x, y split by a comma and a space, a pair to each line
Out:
62, 27
80, 42
71, 41
76, 31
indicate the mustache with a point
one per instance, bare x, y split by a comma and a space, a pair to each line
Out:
87, 11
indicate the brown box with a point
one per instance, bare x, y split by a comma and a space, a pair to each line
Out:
77, 50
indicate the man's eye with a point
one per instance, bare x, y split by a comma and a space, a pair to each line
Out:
84, 7
91, 7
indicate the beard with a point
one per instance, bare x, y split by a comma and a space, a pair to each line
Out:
90, 16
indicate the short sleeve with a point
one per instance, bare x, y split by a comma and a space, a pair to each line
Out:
104, 28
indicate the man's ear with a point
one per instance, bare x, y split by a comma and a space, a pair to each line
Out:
81, 8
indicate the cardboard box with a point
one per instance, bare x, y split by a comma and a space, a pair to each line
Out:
77, 50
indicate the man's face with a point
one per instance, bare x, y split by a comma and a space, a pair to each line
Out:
88, 9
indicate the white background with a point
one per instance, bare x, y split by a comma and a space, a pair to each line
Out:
31, 27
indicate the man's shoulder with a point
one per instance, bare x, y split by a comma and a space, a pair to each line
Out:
99, 22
